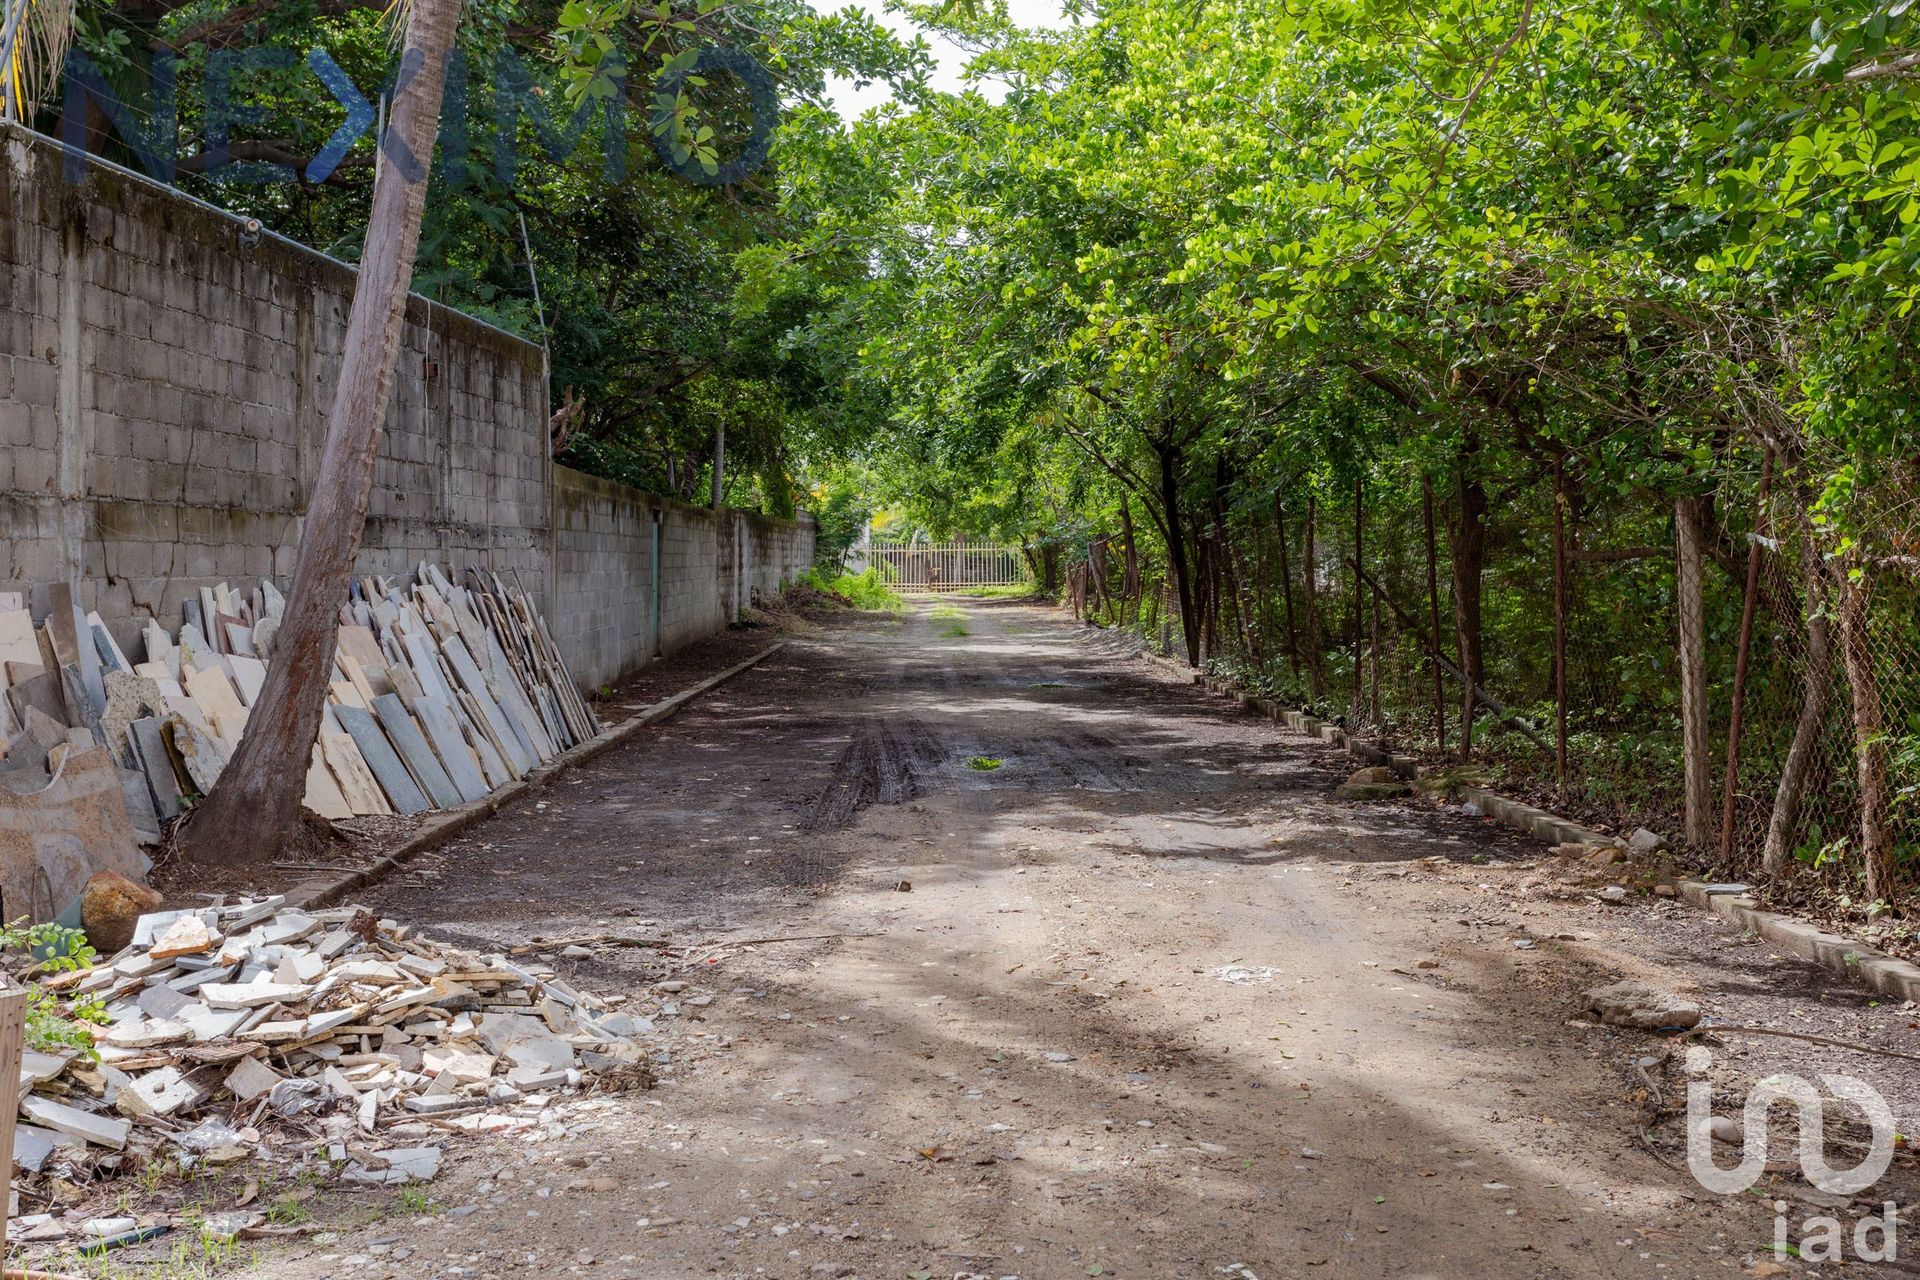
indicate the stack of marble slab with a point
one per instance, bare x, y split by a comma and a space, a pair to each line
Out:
440, 694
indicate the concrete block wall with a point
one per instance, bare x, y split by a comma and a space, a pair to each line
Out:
163, 398
603, 560
164, 386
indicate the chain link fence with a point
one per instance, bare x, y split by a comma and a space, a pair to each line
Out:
1685, 665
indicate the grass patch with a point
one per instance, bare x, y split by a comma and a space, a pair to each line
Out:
1019, 591
859, 590
984, 764
956, 617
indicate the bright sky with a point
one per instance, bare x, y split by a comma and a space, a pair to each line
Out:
851, 102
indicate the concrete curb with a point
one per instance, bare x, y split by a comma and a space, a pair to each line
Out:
1878, 971
448, 823
1883, 973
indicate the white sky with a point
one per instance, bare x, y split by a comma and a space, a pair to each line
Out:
852, 102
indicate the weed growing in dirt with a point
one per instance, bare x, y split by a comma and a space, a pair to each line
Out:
416, 1201
985, 764
956, 631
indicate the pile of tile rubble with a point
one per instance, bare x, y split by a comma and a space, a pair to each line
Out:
260, 1031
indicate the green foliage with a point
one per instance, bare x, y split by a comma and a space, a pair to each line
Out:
984, 764
859, 590
56, 949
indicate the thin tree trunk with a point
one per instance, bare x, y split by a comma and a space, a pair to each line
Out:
256, 804
1433, 618
1697, 815
1560, 622
1869, 739
1286, 585
1208, 576
1359, 607
1249, 633
1315, 672
1467, 539
1130, 580
1734, 718
1373, 666
1794, 775
1169, 455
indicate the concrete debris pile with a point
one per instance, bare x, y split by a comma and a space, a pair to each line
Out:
440, 695
259, 1031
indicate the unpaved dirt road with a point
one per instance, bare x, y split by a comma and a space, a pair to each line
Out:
1154, 1005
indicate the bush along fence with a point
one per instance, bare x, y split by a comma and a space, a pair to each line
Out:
1723, 651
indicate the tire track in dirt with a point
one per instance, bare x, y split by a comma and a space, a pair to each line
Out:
883, 764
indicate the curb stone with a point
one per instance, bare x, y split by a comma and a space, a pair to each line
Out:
1883, 973
1880, 972
448, 823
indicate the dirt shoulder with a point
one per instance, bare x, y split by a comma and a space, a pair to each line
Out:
357, 843
1142, 1000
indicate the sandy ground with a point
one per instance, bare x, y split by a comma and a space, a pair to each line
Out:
1142, 1001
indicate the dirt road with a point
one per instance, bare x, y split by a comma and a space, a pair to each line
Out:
1141, 1001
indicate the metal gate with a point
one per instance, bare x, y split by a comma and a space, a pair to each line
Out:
948, 566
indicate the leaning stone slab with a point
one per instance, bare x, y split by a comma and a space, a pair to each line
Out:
402, 792
413, 748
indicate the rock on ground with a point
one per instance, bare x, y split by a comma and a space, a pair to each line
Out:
1635, 1004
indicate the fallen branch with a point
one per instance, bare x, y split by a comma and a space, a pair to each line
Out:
710, 949
591, 940
803, 937
1717, 1028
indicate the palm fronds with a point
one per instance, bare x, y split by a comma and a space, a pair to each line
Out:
33, 48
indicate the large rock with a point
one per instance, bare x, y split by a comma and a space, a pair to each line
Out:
1645, 1008
111, 906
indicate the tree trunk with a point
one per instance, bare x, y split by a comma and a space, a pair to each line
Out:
1169, 454
1286, 584
1433, 618
1730, 796
1794, 775
257, 802
1467, 540
1130, 578
1316, 674
1207, 581
1560, 622
1869, 739
1359, 560
1697, 815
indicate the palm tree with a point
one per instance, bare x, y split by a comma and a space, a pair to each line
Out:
33, 45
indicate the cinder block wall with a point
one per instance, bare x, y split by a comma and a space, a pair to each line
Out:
604, 556
163, 395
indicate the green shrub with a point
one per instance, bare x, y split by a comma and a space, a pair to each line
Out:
860, 590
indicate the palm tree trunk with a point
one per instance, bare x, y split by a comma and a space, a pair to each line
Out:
256, 804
